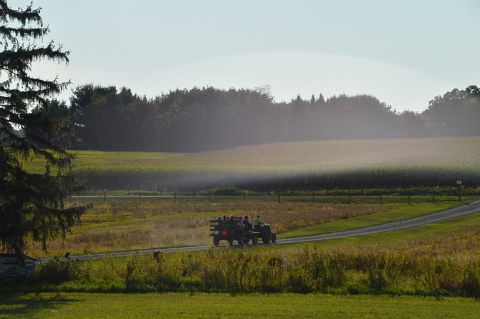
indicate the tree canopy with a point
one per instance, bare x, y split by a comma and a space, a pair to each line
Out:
208, 118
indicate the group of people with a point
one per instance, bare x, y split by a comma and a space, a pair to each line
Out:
244, 222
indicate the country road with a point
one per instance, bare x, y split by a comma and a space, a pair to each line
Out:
391, 226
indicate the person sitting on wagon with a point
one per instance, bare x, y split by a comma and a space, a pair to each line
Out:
246, 223
257, 222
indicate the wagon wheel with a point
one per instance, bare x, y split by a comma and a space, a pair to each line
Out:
274, 238
266, 240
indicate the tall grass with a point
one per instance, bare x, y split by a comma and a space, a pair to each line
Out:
238, 271
444, 262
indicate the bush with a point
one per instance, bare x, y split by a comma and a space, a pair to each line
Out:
56, 271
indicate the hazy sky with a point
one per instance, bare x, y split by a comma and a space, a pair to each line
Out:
404, 52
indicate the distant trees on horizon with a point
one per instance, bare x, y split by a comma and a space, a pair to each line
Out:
207, 118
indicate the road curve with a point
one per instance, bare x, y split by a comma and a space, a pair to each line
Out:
391, 226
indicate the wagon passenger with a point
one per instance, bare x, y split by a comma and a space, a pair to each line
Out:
257, 223
246, 223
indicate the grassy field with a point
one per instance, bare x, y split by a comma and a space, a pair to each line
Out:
150, 223
348, 162
458, 237
200, 305
155, 223
393, 213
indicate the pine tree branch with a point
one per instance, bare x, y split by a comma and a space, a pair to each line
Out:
12, 33
21, 57
23, 16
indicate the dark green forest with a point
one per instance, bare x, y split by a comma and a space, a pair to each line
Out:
107, 118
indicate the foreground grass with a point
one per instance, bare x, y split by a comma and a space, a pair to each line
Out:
181, 305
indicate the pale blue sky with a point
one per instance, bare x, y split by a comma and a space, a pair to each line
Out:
403, 52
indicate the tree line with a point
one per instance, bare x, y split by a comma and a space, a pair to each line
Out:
107, 118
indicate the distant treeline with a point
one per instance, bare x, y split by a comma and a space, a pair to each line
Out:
208, 118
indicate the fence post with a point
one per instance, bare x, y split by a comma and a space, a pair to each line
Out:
433, 197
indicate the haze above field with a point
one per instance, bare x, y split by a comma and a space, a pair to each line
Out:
404, 53
348, 163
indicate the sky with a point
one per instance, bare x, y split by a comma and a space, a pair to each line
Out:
403, 52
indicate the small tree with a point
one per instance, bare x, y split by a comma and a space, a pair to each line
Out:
31, 204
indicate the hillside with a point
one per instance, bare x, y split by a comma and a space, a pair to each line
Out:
374, 162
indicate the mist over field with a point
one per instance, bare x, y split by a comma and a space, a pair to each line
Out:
336, 163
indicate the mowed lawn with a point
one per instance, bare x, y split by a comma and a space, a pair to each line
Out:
275, 306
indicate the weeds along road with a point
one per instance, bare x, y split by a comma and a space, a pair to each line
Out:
391, 226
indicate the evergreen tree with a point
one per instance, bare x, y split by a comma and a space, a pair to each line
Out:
31, 204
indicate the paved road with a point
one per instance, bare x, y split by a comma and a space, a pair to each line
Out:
412, 222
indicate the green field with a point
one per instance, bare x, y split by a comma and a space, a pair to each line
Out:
181, 305
294, 156
394, 213
349, 162
457, 237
